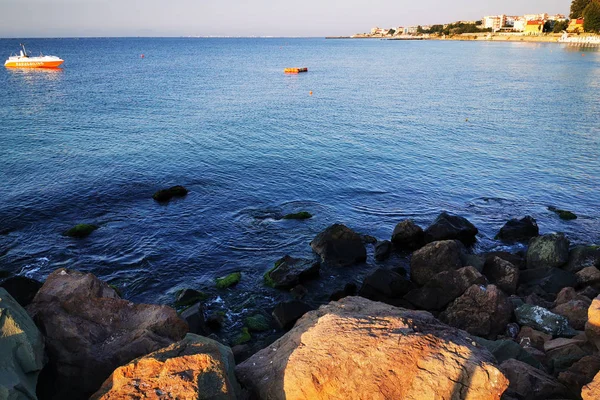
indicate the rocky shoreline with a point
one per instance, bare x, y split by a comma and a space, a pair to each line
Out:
455, 324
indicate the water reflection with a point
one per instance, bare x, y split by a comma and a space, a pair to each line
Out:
31, 75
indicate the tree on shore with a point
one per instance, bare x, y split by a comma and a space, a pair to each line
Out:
560, 26
577, 7
549, 26
591, 17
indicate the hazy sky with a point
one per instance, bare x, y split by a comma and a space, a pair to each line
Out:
54, 18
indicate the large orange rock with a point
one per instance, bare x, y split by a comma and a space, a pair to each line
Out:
360, 349
592, 326
193, 368
591, 391
90, 331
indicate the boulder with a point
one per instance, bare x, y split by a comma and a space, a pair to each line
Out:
550, 280
563, 357
589, 292
515, 259
581, 257
580, 373
187, 297
563, 214
21, 288
451, 227
348, 290
482, 310
434, 258
529, 337
386, 286
591, 391
407, 235
592, 326
444, 288
518, 230
165, 195
543, 320
289, 272
575, 311
588, 276
339, 246
547, 251
287, 313
193, 368
506, 349
502, 273
21, 350
360, 349
568, 294
383, 250
194, 316
90, 331
530, 383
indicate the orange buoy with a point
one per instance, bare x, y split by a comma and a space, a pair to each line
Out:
142, 56
310, 93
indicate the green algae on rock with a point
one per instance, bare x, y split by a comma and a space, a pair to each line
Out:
257, 323
165, 195
81, 231
299, 215
243, 337
188, 297
229, 280
563, 214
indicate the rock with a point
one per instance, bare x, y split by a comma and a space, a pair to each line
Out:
408, 236
592, 326
562, 214
547, 251
575, 311
193, 368
536, 300
530, 383
529, 337
444, 288
543, 320
243, 337
589, 292
215, 321
512, 330
90, 331
588, 276
561, 358
21, 349
194, 316
359, 349
349, 290
339, 246
80, 231
368, 239
506, 350
257, 323
4, 274
451, 227
21, 288
502, 273
476, 261
514, 259
567, 294
288, 312
383, 250
581, 257
518, 230
580, 373
550, 280
187, 297
434, 258
482, 310
289, 272
298, 292
299, 215
228, 281
385, 286
591, 391
165, 195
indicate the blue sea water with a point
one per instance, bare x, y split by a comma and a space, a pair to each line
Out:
392, 130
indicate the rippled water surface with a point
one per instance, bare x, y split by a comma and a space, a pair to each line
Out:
392, 130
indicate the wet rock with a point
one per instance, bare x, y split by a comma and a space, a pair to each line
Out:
288, 312
451, 227
228, 281
257, 323
385, 286
359, 349
194, 316
4, 274
563, 214
592, 326
575, 311
580, 373
547, 251
434, 258
349, 290
165, 195
383, 250
299, 215
215, 321
298, 292
506, 350
81, 231
482, 310
527, 382
591, 391
529, 337
444, 288
588, 276
90, 331
408, 236
543, 320
515, 259
21, 288
518, 230
550, 280
187, 297
21, 350
581, 257
339, 246
476, 261
193, 368
289, 272
368, 239
243, 337
502, 273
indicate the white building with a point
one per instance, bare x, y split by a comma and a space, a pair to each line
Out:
536, 17
410, 30
495, 22
519, 24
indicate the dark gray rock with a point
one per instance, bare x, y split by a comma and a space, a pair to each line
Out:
339, 246
408, 236
348, 290
451, 227
543, 320
165, 195
506, 350
288, 312
194, 316
547, 251
289, 272
515, 259
581, 257
383, 250
550, 280
518, 230
21, 288
529, 383
502, 273
385, 286
434, 258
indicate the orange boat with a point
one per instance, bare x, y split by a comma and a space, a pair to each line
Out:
23, 60
294, 70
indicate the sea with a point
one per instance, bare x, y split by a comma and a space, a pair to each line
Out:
375, 132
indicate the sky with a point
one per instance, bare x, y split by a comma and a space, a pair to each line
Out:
83, 18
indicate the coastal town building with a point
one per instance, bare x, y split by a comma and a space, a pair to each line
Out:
534, 27
536, 17
494, 22
519, 24
575, 26
410, 30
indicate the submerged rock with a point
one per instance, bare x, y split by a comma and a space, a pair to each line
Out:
289, 272
451, 227
360, 349
21, 288
165, 195
227, 281
562, 214
187, 297
257, 323
21, 351
547, 251
243, 337
193, 368
339, 246
518, 230
408, 236
434, 258
81, 231
299, 215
